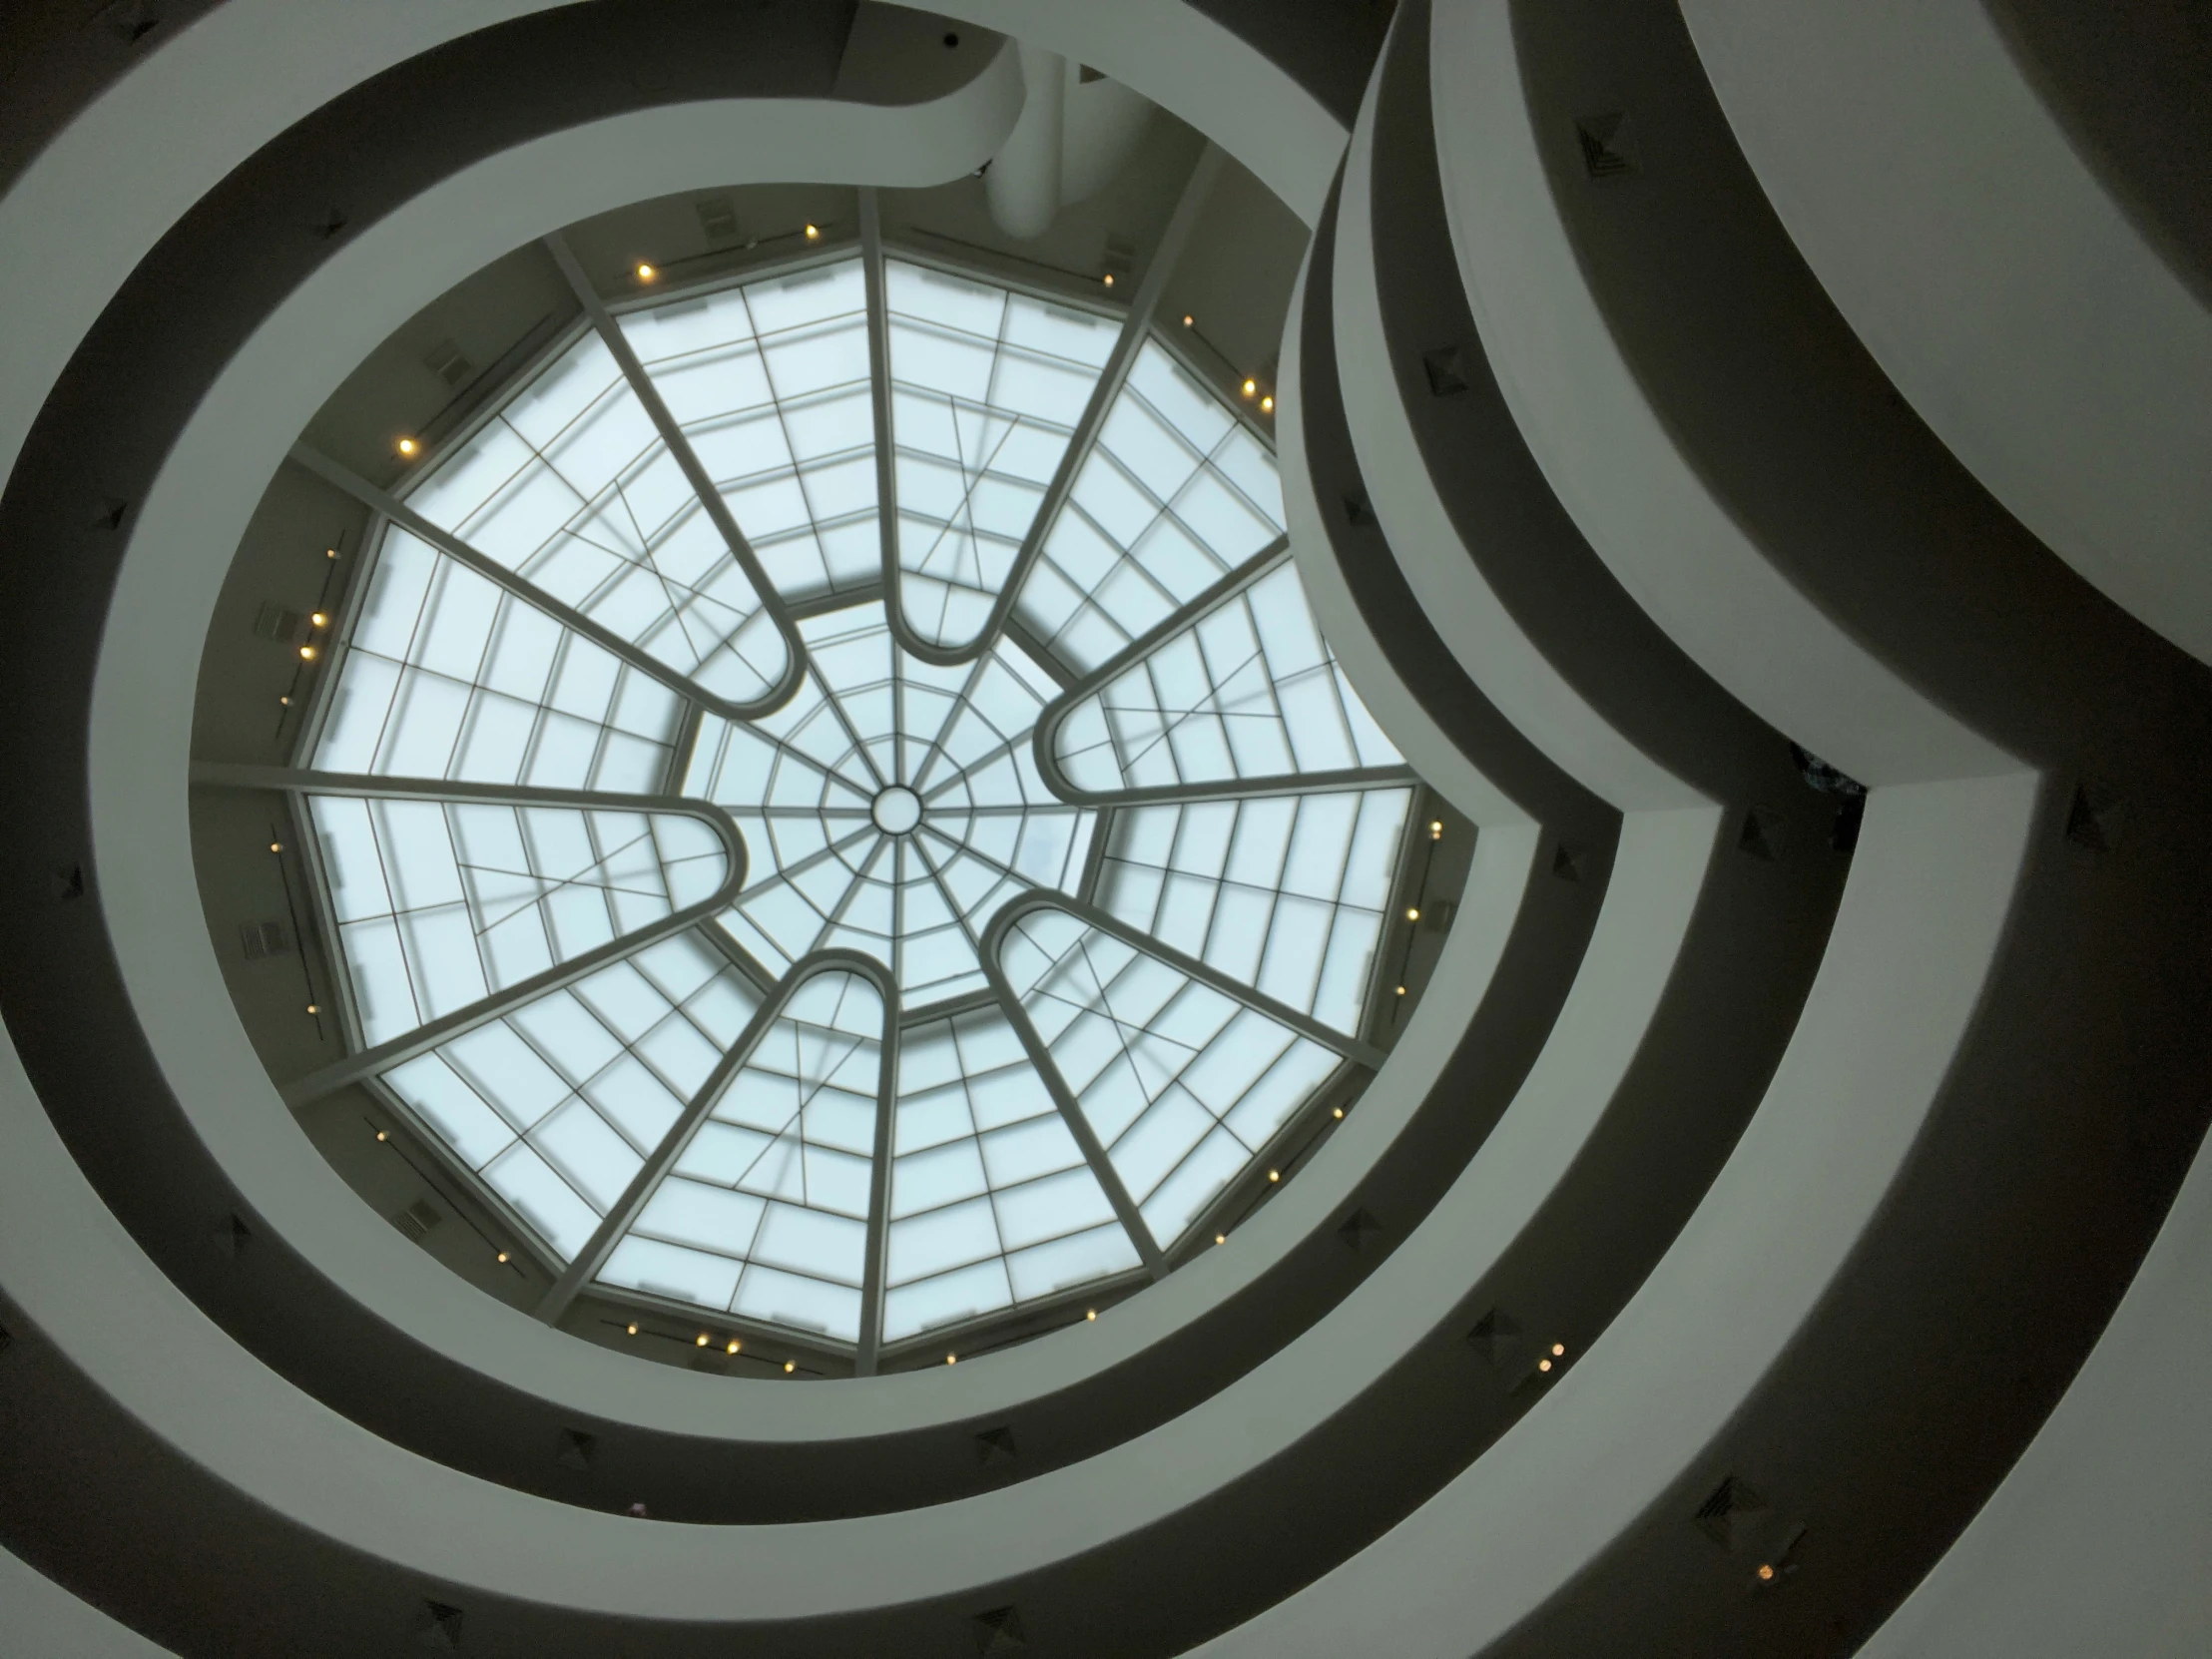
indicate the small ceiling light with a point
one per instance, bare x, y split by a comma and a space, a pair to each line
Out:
1274, 1175
703, 1338
1413, 912
1109, 279
408, 446
1267, 405
1189, 322
1766, 1571
311, 1008
1435, 828
330, 552
306, 652
1251, 386
1558, 1349
735, 1345
285, 701
1221, 1238
1543, 1365
633, 1330
646, 272
790, 1366
379, 1134
502, 1258
814, 232
1090, 1313
951, 1358
1402, 990
1337, 1112
320, 620
276, 847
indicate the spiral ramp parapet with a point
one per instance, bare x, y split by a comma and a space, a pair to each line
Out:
1742, 1196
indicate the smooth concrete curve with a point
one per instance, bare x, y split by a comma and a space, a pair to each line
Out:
1924, 917
197, 510
1490, 646
1995, 276
42, 1618
1428, 748
2097, 1541
1614, 459
93, 1296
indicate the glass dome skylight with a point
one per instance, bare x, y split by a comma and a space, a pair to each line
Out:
835, 810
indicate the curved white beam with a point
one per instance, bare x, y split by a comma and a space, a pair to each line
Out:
2097, 1541
97, 1298
1426, 745
1922, 921
200, 501
1994, 276
1487, 643
1612, 456
44, 1618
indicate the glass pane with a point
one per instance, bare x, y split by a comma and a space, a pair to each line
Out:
558, 1104
987, 389
766, 1211
1248, 690
1181, 1084
440, 903
1174, 496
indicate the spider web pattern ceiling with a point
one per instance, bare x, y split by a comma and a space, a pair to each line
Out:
936, 988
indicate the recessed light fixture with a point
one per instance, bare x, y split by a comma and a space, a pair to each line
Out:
1109, 279
951, 1358
702, 1339
306, 652
1766, 1571
1267, 405
1274, 1175
790, 1366
1090, 1313
285, 701
633, 1330
502, 1258
646, 272
814, 232
1413, 912
1402, 990
1337, 1112
311, 1008
1251, 386
735, 1345
408, 446
1188, 320
1221, 1238
320, 620
1435, 828
1558, 1349
379, 1134
1543, 1365
330, 552
276, 847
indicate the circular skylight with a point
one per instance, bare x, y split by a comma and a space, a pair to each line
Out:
835, 810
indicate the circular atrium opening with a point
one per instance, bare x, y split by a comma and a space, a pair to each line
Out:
816, 807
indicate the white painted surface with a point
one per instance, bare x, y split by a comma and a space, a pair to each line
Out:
41, 1620
2096, 1542
1368, 663
1465, 611
1922, 921
74, 1270
1612, 458
1991, 274
181, 546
